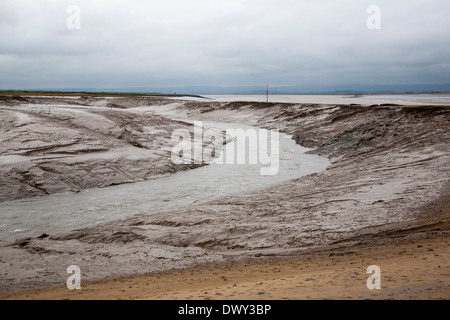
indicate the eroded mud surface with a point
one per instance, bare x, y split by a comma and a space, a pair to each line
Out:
52, 145
389, 172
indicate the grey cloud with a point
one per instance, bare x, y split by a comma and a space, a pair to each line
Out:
229, 43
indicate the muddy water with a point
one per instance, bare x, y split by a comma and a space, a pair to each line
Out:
65, 212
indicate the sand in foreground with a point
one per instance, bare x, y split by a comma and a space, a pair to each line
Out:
415, 267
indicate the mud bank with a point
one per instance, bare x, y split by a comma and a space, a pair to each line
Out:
54, 145
389, 173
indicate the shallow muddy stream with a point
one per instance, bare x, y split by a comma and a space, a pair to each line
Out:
60, 213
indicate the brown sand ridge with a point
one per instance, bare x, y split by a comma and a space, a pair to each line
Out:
383, 201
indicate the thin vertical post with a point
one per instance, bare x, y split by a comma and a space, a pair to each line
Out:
267, 93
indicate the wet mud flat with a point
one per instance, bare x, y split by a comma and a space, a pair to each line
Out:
53, 145
389, 178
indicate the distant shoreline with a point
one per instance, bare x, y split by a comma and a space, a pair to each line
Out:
164, 95
369, 99
95, 94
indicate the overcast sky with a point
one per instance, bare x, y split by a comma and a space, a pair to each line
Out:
133, 43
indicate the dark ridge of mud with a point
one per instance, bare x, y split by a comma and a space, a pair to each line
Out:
117, 237
346, 131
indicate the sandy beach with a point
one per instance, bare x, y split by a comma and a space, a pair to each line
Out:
382, 201
414, 266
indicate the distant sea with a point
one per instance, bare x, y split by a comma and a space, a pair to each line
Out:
402, 99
